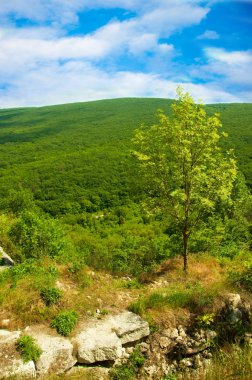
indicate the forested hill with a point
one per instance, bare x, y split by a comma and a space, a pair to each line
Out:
77, 157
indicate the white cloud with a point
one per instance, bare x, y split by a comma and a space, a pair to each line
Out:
78, 81
43, 65
209, 35
233, 66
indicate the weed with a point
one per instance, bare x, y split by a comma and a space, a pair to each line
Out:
65, 322
51, 295
128, 371
205, 320
28, 349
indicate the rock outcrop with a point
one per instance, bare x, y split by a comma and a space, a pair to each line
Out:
95, 342
109, 341
103, 340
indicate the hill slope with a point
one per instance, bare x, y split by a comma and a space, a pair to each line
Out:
76, 157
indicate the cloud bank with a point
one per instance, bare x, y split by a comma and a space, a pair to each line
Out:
43, 62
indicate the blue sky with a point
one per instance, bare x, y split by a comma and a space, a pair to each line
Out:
60, 51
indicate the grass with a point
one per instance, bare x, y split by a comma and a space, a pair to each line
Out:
191, 296
28, 349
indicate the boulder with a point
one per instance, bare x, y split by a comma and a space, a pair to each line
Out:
57, 354
18, 369
129, 327
11, 364
97, 345
102, 340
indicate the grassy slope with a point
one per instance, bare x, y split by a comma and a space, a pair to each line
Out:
68, 153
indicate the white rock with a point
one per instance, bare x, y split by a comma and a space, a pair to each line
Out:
171, 333
18, 369
57, 354
165, 342
96, 345
102, 340
9, 336
129, 327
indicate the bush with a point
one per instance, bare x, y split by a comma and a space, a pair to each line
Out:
65, 322
28, 349
38, 236
243, 278
51, 295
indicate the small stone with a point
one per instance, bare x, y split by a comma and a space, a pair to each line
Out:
171, 333
182, 333
144, 347
210, 334
233, 299
164, 342
186, 362
151, 370
198, 362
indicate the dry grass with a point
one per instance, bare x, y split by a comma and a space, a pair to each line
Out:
85, 291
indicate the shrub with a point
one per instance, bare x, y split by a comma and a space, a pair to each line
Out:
28, 349
65, 322
243, 278
51, 295
38, 236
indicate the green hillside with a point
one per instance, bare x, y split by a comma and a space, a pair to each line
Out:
76, 157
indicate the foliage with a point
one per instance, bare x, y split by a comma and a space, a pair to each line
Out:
205, 320
128, 370
43, 150
243, 278
51, 295
28, 349
38, 236
65, 322
188, 176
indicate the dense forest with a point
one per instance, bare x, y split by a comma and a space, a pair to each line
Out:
74, 163
74, 199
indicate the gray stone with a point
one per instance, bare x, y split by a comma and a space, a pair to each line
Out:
96, 345
129, 327
57, 354
171, 333
102, 340
18, 369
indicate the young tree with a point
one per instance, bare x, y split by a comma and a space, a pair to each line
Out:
188, 175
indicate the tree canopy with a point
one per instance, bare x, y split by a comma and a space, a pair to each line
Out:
188, 174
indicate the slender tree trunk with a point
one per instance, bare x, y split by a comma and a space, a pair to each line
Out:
185, 251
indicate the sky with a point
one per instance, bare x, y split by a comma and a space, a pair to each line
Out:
64, 51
